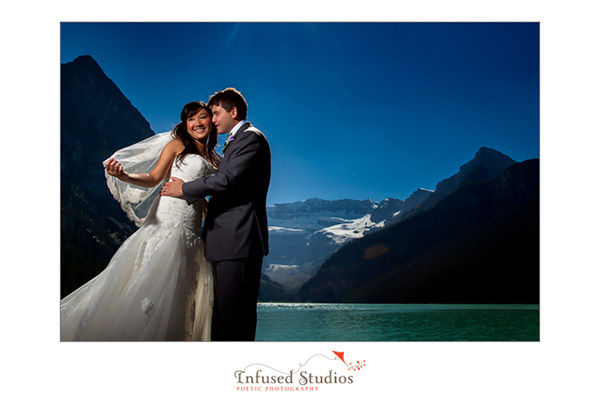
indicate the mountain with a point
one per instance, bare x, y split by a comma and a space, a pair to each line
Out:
304, 234
96, 120
486, 164
479, 244
295, 250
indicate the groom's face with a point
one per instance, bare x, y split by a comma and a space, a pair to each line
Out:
224, 120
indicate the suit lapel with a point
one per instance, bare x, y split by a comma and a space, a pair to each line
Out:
237, 135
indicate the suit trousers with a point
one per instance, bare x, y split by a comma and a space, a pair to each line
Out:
236, 294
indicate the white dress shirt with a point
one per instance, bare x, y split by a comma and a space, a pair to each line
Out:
236, 128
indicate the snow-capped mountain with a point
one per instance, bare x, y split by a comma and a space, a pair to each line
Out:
304, 234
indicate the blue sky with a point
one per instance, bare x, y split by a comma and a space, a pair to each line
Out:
351, 110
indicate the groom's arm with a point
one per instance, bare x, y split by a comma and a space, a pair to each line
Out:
243, 155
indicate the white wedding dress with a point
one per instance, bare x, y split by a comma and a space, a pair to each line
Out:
158, 285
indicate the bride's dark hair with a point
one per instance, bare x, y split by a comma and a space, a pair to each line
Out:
180, 132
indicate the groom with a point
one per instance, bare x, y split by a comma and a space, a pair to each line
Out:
236, 232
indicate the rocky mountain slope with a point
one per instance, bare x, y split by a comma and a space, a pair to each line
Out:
479, 244
96, 120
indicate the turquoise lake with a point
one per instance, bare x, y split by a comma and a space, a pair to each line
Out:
295, 322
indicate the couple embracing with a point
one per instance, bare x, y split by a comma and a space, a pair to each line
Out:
192, 270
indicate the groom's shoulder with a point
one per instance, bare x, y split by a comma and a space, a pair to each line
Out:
251, 128
256, 132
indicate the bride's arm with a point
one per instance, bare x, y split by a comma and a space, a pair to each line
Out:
154, 177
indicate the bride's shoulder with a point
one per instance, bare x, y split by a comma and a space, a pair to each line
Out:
175, 146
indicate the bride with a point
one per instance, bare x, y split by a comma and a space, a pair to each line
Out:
158, 285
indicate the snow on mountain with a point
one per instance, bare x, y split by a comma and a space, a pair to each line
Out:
352, 229
311, 215
280, 230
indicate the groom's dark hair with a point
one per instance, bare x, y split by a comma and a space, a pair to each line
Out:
228, 99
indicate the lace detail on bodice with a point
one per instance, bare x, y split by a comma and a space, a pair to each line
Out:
170, 211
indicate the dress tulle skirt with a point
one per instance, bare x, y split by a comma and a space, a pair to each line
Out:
157, 287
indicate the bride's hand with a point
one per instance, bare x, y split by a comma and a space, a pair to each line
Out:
115, 169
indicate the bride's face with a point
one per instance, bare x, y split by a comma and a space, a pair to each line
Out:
199, 125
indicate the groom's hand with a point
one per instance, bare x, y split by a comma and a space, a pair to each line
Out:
173, 188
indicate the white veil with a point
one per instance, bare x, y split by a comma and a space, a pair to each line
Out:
138, 158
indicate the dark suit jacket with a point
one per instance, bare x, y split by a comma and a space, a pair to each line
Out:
236, 221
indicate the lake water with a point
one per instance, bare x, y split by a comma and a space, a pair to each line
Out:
295, 322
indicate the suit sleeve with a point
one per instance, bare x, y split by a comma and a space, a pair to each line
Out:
241, 158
